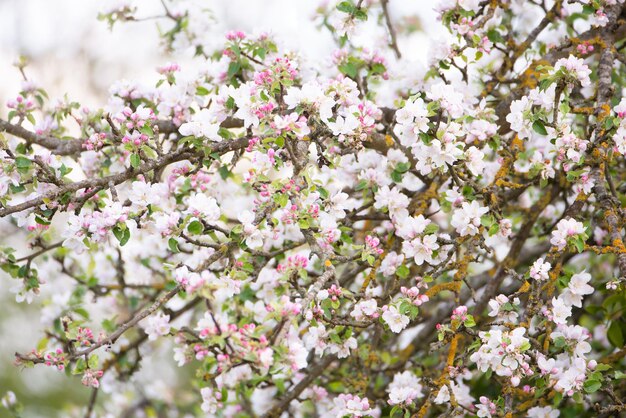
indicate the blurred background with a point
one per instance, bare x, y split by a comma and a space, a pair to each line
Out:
71, 53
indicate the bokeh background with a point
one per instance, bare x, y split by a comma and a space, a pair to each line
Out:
71, 53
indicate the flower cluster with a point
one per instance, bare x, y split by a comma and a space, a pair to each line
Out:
349, 236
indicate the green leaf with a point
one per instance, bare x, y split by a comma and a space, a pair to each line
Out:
402, 271
22, 162
233, 68
23, 271
487, 221
544, 84
304, 224
493, 229
572, 175
494, 36
474, 346
346, 7
108, 325
126, 237
539, 127
42, 344
64, 170
260, 52
150, 153
431, 228
202, 91
361, 185
195, 228
588, 9
432, 109
122, 234
247, 294
224, 172
41, 221
171, 285
93, 361
224, 133
378, 68
80, 366
403, 167
394, 410
235, 48
135, 160
281, 199
577, 397
592, 386
560, 342
396, 176
349, 69
615, 335
579, 243
147, 130
17, 189
360, 14
173, 245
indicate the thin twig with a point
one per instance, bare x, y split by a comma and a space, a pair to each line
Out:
393, 43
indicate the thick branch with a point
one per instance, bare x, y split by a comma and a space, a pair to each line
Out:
56, 145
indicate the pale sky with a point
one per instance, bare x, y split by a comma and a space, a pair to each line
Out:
72, 52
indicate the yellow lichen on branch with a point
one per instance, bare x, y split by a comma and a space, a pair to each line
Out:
454, 344
444, 378
423, 200
525, 287
454, 286
377, 263
553, 275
